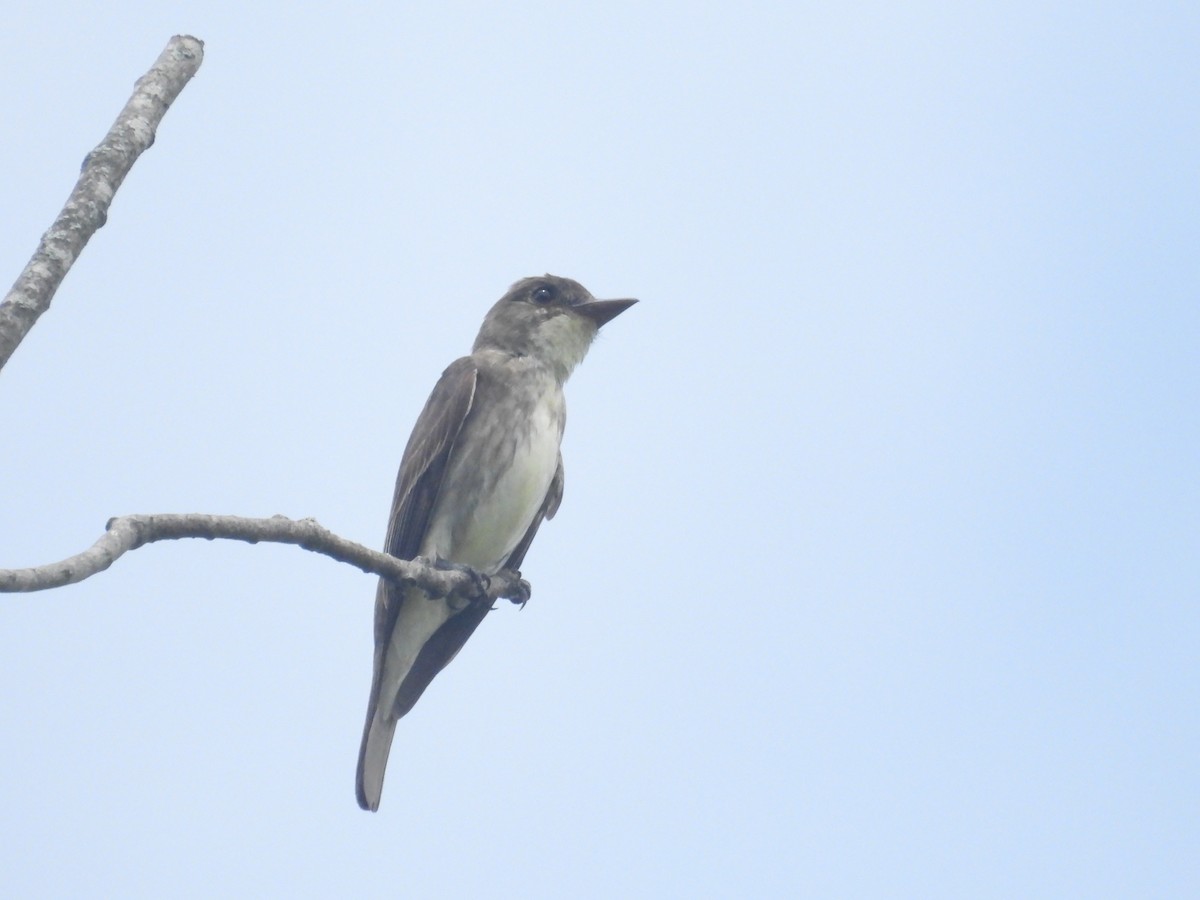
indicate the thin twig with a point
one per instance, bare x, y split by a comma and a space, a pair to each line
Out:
103, 171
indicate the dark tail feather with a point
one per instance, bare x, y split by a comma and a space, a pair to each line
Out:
372, 760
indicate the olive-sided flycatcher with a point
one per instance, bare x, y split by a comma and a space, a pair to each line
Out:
481, 471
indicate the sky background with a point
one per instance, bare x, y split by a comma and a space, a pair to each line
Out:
878, 568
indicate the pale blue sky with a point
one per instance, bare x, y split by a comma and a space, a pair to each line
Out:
878, 569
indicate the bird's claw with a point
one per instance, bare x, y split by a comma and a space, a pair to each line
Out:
520, 590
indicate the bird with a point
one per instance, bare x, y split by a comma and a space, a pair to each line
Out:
481, 471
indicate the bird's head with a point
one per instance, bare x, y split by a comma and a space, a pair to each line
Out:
550, 318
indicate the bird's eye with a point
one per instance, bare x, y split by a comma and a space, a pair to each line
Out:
542, 295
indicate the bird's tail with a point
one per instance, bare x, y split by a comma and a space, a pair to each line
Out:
372, 759
413, 650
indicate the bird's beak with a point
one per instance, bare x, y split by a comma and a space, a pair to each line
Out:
601, 311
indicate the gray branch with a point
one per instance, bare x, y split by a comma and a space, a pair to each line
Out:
103, 171
125, 533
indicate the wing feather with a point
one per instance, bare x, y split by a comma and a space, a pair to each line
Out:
418, 483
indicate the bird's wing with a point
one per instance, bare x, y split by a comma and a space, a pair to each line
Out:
449, 639
421, 471
426, 457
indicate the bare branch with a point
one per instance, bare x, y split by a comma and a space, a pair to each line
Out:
103, 171
126, 533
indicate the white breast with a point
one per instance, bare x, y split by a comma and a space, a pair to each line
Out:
502, 517
483, 515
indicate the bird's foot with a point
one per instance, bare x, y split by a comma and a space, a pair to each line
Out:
520, 591
476, 593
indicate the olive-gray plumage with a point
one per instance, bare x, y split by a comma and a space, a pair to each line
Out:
481, 471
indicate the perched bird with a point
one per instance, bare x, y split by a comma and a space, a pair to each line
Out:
481, 471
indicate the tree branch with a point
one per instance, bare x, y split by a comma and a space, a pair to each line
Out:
125, 533
103, 171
